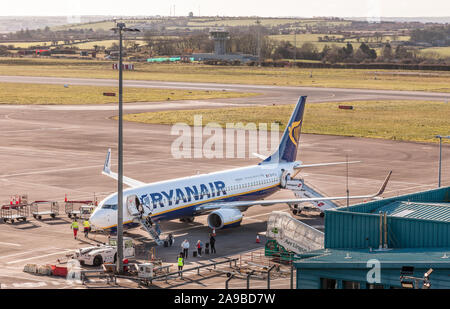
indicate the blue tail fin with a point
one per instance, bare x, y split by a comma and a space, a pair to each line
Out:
287, 150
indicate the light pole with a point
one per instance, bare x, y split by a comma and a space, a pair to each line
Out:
258, 46
120, 27
440, 156
295, 46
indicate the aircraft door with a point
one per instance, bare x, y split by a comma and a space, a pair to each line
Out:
134, 206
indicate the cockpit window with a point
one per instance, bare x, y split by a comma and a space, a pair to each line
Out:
109, 206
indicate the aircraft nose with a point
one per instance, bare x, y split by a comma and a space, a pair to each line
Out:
94, 220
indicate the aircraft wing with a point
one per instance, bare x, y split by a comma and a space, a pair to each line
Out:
243, 205
126, 180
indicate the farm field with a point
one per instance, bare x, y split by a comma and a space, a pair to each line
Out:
416, 121
314, 39
443, 52
11, 93
340, 78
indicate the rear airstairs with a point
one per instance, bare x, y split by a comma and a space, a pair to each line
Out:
137, 211
303, 191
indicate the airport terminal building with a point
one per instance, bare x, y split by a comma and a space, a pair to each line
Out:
389, 243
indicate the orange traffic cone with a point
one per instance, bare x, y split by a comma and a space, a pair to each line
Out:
10, 200
214, 232
65, 197
257, 239
17, 200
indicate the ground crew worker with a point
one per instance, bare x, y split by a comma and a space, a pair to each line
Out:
87, 228
74, 227
180, 264
212, 242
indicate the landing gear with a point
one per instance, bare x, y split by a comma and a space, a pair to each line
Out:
187, 219
295, 209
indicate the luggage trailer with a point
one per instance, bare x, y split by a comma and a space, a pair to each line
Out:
76, 209
13, 213
44, 208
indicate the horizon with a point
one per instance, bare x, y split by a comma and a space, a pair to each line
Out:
233, 8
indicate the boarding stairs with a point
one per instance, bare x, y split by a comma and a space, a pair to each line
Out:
303, 191
149, 226
139, 215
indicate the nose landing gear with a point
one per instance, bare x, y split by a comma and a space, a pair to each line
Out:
295, 209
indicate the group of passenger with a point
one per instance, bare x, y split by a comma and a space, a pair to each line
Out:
199, 246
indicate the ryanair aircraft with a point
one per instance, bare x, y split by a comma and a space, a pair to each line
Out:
223, 195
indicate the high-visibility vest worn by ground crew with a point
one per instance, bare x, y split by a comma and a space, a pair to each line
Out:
86, 223
75, 225
180, 261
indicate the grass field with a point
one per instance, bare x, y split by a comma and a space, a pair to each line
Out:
417, 121
340, 78
11, 93
27, 44
202, 22
443, 52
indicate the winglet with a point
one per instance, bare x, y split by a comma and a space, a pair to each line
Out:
107, 166
384, 184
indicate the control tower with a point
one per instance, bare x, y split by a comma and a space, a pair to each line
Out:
220, 37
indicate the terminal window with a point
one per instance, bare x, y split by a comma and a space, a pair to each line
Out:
326, 283
350, 284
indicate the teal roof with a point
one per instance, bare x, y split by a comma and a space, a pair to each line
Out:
417, 210
358, 258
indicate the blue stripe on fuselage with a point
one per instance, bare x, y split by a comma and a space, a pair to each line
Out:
190, 210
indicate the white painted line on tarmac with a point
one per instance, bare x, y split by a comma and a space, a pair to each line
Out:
28, 285
15, 254
39, 256
10, 244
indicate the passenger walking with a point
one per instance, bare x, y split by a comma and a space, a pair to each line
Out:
212, 242
199, 248
170, 238
87, 228
74, 227
185, 247
158, 227
180, 264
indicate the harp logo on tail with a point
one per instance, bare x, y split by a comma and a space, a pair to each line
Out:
294, 131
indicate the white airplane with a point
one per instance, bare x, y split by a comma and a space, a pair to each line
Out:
224, 195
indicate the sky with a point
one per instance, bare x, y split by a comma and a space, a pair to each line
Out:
263, 8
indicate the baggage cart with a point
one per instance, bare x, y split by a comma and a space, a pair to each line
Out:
86, 211
44, 208
73, 208
14, 213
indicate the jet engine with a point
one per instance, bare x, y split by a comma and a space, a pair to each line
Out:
223, 218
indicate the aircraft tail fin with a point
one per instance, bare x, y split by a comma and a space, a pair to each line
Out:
287, 150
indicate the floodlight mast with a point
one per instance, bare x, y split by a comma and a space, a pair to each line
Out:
120, 27
440, 156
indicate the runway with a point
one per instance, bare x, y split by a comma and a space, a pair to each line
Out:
49, 151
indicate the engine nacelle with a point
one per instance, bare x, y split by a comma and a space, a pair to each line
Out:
223, 218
